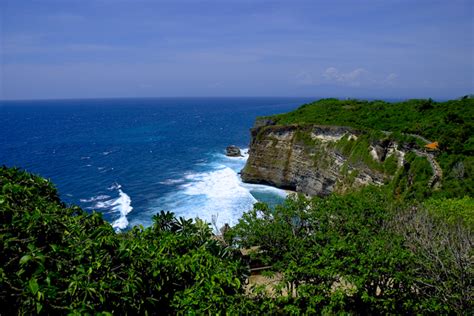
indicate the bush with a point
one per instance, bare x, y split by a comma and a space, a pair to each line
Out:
59, 259
360, 253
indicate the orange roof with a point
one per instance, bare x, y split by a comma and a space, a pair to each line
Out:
432, 146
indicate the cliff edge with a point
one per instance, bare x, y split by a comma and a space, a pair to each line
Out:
316, 159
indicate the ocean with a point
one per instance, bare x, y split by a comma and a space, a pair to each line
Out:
131, 158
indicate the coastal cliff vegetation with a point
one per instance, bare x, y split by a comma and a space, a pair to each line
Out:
451, 123
418, 146
402, 246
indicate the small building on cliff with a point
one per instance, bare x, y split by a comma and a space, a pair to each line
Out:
432, 146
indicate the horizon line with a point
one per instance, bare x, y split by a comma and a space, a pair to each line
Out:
229, 97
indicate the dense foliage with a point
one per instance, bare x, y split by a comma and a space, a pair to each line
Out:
360, 253
450, 123
58, 259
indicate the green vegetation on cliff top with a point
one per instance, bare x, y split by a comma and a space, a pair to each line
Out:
451, 123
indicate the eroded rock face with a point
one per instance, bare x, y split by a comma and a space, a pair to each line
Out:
233, 151
306, 159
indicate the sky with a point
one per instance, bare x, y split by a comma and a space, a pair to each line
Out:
111, 48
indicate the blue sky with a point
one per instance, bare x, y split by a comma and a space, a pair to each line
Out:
105, 48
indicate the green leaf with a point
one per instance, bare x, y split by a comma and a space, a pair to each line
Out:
39, 307
25, 259
33, 286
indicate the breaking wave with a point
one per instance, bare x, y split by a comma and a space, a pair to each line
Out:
121, 206
216, 195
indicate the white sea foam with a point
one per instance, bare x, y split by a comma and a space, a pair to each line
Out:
265, 189
243, 151
172, 181
221, 183
122, 204
217, 195
95, 198
114, 186
101, 205
104, 169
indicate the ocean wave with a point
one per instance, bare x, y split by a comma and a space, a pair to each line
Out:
104, 205
122, 204
95, 198
214, 196
215, 193
104, 169
265, 189
114, 186
110, 205
221, 183
172, 181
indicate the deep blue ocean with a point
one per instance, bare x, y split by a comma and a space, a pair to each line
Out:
131, 158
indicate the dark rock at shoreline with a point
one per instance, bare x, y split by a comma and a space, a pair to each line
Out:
233, 151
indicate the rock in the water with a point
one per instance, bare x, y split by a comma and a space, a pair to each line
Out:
233, 151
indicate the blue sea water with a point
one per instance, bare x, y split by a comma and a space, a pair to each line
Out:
131, 158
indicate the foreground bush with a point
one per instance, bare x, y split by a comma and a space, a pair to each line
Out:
59, 259
361, 253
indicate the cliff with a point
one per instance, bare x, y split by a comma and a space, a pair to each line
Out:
317, 160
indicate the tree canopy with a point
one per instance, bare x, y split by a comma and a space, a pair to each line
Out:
360, 253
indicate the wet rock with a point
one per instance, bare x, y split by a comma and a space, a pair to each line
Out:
233, 151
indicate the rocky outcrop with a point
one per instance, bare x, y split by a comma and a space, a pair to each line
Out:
233, 151
313, 159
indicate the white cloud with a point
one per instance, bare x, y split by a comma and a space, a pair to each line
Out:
358, 77
355, 77
390, 79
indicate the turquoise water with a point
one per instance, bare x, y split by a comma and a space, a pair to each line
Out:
130, 158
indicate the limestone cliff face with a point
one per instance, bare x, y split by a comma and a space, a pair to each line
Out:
312, 159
